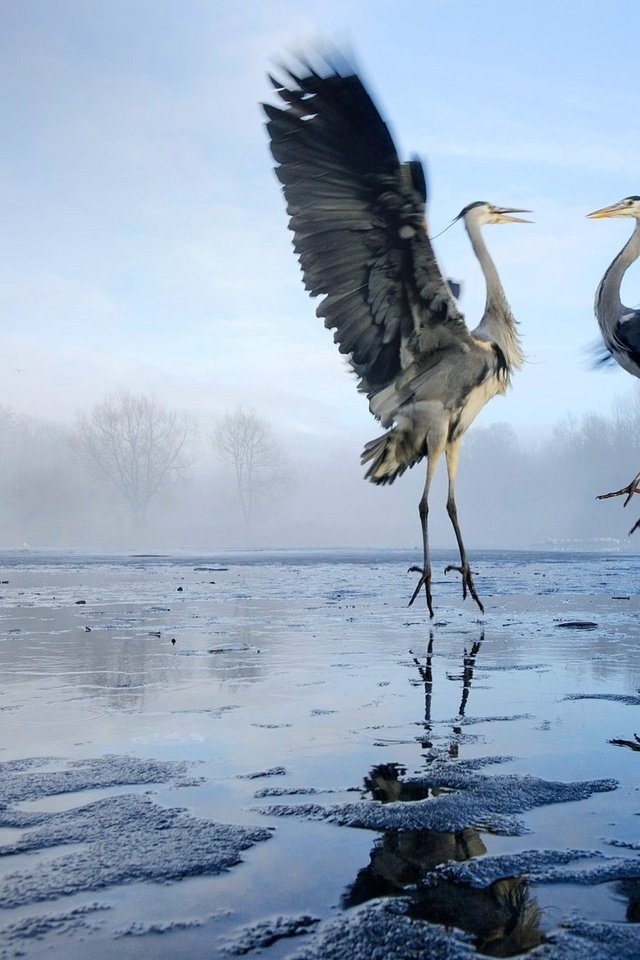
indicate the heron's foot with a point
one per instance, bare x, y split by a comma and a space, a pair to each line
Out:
635, 526
467, 582
424, 581
628, 492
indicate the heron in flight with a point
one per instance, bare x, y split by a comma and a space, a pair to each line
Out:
620, 325
358, 219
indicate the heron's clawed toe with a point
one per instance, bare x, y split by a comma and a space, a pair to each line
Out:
467, 582
627, 492
424, 581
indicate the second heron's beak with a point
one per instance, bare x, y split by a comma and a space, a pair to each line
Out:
615, 210
502, 215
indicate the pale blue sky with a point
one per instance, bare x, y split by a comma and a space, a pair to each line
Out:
145, 242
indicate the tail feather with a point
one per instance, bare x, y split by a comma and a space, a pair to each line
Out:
391, 454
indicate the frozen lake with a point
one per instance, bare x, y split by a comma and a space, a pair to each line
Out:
271, 753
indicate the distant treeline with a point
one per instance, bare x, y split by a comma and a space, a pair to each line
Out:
132, 472
528, 493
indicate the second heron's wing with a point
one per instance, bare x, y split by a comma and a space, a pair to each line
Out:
627, 337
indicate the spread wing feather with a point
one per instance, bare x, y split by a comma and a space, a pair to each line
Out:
358, 219
627, 335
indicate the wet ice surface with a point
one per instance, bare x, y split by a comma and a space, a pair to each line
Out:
271, 755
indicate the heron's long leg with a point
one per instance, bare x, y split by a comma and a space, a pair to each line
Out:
452, 454
629, 490
423, 509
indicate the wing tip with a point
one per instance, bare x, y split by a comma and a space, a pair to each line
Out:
321, 60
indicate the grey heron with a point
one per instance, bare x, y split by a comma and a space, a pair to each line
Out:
358, 219
620, 325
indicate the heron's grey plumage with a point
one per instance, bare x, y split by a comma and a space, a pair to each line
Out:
620, 325
358, 219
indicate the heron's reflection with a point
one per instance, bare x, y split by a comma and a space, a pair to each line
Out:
404, 858
502, 916
630, 890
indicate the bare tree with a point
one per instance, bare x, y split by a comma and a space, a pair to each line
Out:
138, 443
627, 415
248, 444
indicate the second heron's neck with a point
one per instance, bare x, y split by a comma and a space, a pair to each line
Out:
497, 323
608, 304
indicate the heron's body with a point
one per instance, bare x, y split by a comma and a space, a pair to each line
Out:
431, 403
358, 218
620, 325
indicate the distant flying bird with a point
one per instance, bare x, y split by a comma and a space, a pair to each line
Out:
620, 325
358, 219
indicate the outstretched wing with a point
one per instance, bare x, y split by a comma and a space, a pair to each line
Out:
620, 345
358, 218
599, 355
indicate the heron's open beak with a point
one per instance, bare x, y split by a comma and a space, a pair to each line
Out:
502, 215
615, 210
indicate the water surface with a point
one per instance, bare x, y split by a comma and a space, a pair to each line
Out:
303, 680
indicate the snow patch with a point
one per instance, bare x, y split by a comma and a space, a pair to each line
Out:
477, 800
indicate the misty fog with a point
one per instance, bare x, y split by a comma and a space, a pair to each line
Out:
513, 490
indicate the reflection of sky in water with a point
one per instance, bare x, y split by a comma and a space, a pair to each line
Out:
320, 668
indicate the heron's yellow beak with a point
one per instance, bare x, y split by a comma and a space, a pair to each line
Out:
614, 210
502, 215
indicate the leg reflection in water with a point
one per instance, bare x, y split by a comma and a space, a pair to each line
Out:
426, 673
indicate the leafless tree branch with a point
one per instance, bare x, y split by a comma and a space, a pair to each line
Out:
248, 444
138, 443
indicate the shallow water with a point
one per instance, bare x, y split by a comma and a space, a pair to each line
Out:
306, 696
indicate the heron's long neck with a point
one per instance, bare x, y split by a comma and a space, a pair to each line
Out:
498, 323
608, 305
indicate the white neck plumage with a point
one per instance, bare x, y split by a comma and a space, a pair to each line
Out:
498, 323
